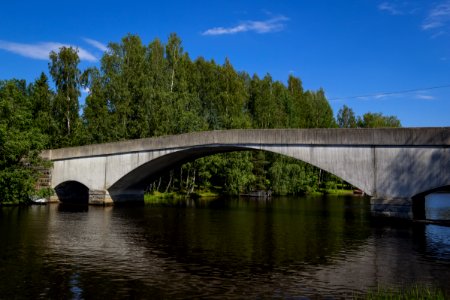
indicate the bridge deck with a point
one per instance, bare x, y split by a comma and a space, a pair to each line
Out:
428, 136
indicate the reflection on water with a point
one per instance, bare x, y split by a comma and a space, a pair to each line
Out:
438, 241
437, 206
285, 247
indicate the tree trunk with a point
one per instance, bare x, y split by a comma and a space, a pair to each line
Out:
187, 180
181, 178
173, 74
170, 181
68, 115
193, 183
159, 184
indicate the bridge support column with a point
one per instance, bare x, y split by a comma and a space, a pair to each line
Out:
103, 197
392, 207
99, 197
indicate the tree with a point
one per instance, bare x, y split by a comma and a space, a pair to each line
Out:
41, 97
346, 118
299, 107
20, 143
377, 120
174, 52
97, 110
231, 98
66, 75
320, 114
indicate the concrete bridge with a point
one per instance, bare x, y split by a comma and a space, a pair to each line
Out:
397, 167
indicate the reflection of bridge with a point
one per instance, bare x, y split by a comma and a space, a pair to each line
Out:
397, 167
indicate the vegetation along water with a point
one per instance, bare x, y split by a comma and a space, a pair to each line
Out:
157, 89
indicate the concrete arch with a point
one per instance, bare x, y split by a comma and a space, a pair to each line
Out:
136, 180
391, 165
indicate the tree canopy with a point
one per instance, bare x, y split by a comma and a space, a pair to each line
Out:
151, 90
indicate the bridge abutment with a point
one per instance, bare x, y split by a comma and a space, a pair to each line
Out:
401, 208
99, 197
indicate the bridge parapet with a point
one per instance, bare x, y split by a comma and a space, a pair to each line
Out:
433, 136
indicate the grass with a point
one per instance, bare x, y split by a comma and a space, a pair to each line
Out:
338, 192
159, 197
411, 292
172, 197
8, 203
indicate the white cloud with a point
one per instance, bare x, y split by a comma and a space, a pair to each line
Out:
271, 25
42, 50
380, 96
100, 46
425, 97
438, 16
420, 93
390, 8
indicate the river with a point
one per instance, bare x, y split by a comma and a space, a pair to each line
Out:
224, 248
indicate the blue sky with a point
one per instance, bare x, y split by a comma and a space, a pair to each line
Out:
356, 50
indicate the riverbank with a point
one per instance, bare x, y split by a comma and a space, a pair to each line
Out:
161, 197
410, 292
158, 197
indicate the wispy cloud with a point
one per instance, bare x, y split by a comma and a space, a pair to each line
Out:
273, 24
390, 8
42, 50
399, 7
438, 16
100, 46
425, 97
421, 93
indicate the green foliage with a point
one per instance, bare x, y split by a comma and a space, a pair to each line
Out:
45, 192
20, 143
346, 118
377, 120
291, 177
144, 91
63, 67
151, 90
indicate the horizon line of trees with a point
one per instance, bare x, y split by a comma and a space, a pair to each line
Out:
151, 90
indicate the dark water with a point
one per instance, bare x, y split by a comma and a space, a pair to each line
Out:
284, 247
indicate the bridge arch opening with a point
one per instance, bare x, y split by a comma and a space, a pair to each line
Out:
72, 192
141, 177
433, 204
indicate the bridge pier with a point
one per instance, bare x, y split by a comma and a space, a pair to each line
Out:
103, 197
401, 208
99, 197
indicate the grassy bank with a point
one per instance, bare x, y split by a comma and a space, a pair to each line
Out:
339, 192
411, 292
158, 197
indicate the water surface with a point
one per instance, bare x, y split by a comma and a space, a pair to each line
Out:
224, 248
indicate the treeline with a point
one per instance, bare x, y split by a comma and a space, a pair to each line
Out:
157, 89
